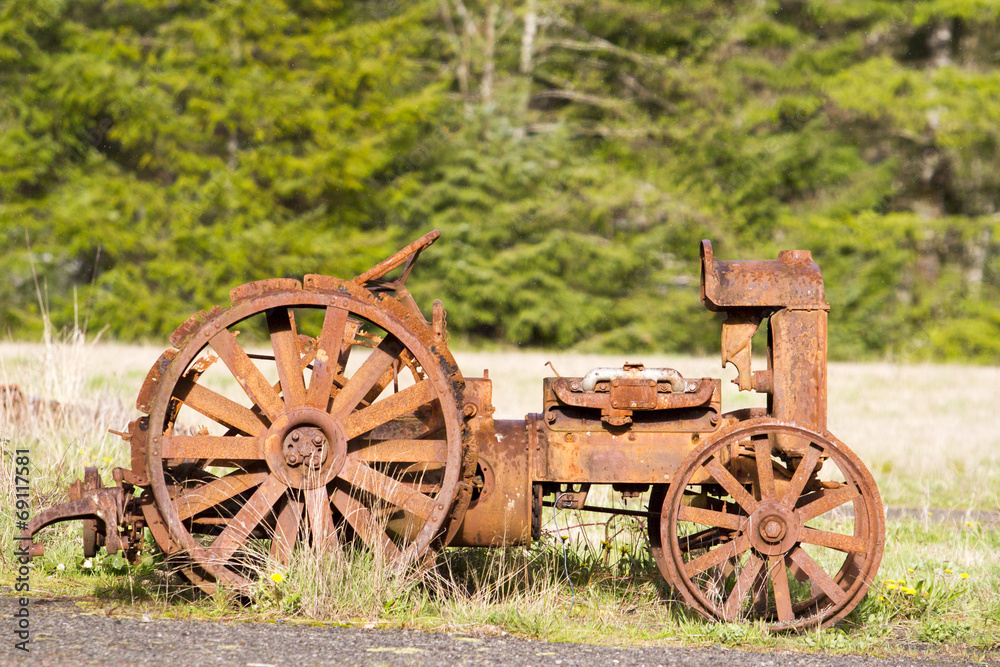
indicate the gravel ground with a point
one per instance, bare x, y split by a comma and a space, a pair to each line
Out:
64, 634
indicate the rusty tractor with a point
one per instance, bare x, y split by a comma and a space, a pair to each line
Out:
367, 433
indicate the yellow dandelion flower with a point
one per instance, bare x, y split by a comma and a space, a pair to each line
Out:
908, 591
910, 570
277, 577
964, 575
891, 587
901, 581
947, 571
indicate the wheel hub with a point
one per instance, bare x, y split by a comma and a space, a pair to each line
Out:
305, 448
774, 529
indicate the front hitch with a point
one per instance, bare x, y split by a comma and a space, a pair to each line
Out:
109, 518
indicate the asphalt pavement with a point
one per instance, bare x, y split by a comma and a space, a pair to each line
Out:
64, 633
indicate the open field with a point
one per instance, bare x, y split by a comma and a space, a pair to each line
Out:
926, 431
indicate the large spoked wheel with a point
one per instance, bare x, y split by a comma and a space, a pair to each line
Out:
345, 426
790, 536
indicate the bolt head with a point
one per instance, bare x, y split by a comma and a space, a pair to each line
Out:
318, 439
772, 529
296, 436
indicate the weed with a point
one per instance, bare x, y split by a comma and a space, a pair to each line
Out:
827, 641
617, 596
942, 631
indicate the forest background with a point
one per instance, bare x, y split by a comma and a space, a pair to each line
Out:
156, 153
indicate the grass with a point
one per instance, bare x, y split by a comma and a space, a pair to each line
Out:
922, 429
923, 603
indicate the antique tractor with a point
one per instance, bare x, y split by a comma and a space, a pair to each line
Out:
367, 433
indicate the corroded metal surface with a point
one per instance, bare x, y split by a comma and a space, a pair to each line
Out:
752, 526
401, 455
346, 474
107, 514
792, 280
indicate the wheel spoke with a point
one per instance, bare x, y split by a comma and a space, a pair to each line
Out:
214, 447
408, 451
732, 485
704, 539
765, 468
328, 352
421, 426
380, 386
377, 363
759, 592
320, 515
383, 382
830, 540
218, 408
287, 356
802, 473
710, 517
364, 524
717, 556
350, 331
782, 596
818, 575
364, 477
797, 572
286, 531
829, 499
247, 374
742, 587
251, 514
201, 498
390, 408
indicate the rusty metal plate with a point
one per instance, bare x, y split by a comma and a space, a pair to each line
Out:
697, 412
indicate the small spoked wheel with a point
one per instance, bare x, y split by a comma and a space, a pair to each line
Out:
772, 522
308, 416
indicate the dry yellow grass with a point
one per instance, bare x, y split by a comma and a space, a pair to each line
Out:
927, 431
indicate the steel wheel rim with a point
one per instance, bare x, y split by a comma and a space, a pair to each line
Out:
443, 381
853, 577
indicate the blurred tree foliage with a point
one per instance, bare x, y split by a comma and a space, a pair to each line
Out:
156, 153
